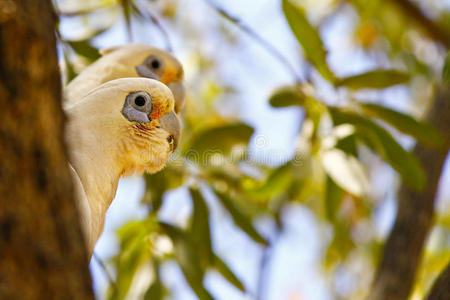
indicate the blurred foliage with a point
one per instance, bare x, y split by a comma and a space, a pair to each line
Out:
329, 172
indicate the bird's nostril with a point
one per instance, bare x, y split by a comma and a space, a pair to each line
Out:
139, 101
171, 141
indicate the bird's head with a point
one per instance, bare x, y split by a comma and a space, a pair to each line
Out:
146, 61
133, 117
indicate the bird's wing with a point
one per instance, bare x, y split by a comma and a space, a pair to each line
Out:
83, 209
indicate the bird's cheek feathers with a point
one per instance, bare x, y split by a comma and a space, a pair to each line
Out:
160, 109
146, 156
168, 76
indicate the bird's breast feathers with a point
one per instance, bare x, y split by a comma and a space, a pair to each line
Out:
146, 149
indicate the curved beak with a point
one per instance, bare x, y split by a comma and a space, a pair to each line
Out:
144, 71
170, 123
179, 93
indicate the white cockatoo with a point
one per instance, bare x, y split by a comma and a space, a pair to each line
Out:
122, 127
131, 60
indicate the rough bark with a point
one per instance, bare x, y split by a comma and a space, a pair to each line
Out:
403, 250
42, 253
441, 286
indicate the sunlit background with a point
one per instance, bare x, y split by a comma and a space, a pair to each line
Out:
230, 77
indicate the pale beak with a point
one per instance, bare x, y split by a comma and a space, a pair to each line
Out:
178, 92
170, 123
144, 71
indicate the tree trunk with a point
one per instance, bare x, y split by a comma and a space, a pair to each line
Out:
403, 250
42, 253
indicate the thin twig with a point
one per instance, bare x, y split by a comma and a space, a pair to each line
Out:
263, 268
157, 23
268, 254
155, 20
255, 36
105, 270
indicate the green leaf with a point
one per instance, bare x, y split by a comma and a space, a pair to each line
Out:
134, 252
70, 71
289, 95
156, 290
188, 259
333, 198
421, 131
276, 183
414, 65
315, 110
126, 269
348, 145
135, 230
157, 184
381, 141
230, 177
341, 245
446, 70
308, 37
219, 139
226, 272
84, 48
346, 171
200, 228
240, 219
155, 187
377, 79
127, 15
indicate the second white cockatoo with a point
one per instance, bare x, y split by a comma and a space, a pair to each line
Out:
122, 127
131, 60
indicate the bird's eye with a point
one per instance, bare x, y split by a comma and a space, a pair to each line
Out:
170, 140
155, 64
139, 101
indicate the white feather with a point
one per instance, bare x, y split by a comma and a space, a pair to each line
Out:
104, 146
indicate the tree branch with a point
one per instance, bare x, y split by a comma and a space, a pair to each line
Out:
147, 14
42, 252
105, 270
402, 252
257, 38
441, 286
432, 29
264, 266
